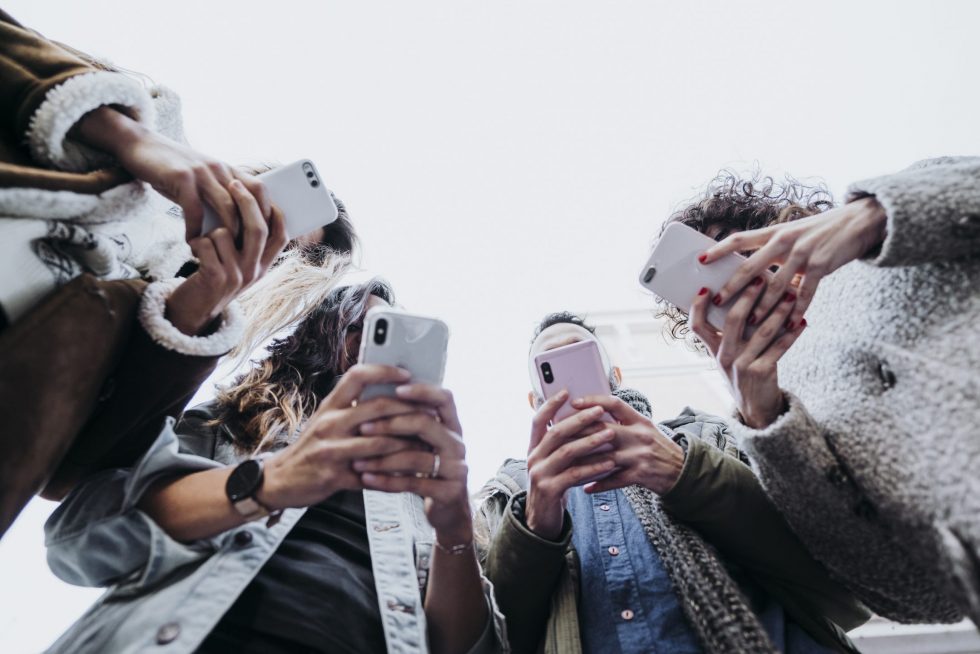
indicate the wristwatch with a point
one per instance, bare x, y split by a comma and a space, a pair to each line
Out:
243, 483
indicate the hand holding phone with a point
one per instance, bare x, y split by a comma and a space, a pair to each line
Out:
300, 194
576, 368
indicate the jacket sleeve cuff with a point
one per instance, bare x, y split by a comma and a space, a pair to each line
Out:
684, 494
153, 307
515, 530
67, 103
98, 536
932, 211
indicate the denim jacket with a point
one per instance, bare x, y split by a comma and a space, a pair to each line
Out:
167, 596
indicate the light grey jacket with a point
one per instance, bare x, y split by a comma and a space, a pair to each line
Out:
875, 465
167, 596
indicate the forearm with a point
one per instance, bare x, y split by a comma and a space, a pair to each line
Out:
109, 130
455, 606
525, 571
192, 507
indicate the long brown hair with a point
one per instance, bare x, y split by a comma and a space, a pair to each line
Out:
265, 406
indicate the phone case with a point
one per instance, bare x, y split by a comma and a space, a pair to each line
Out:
674, 273
301, 195
577, 368
415, 343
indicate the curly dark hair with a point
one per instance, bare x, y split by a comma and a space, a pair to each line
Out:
264, 407
733, 203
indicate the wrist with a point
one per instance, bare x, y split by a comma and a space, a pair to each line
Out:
271, 494
761, 417
109, 130
458, 534
872, 222
190, 311
670, 470
544, 522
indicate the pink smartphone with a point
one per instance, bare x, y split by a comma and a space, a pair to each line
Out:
674, 273
577, 368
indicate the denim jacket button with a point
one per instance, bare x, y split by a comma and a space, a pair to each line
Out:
243, 538
168, 633
604, 507
627, 614
613, 550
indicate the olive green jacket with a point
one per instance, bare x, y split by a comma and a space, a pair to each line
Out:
536, 580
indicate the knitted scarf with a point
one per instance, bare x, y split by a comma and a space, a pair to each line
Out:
715, 607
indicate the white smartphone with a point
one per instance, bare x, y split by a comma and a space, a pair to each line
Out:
299, 192
674, 273
397, 338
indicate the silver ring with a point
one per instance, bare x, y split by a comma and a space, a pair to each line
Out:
435, 466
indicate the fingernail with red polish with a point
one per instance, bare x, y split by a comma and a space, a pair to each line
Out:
756, 281
803, 322
753, 319
716, 300
702, 258
789, 297
703, 291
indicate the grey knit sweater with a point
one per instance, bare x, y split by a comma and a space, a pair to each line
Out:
875, 463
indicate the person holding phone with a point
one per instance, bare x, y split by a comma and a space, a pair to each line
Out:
858, 433
109, 320
627, 536
245, 527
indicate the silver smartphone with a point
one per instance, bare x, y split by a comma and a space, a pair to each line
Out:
397, 338
299, 192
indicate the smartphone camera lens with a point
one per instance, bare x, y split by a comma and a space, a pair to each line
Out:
314, 183
546, 373
381, 331
651, 271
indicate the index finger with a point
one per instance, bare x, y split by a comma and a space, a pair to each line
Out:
752, 239
220, 201
360, 376
257, 189
543, 417
193, 209
757, 265
254, 229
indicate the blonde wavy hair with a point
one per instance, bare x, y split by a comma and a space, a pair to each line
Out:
265, 407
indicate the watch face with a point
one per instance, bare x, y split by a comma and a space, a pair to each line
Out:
244, 480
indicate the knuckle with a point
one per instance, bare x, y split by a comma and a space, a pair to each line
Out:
784, 238
185, 176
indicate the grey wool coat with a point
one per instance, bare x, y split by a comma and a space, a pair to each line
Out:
876, 464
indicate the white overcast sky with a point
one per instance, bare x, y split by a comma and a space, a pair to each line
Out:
505, 159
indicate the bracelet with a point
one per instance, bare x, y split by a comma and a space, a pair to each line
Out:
455, 550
